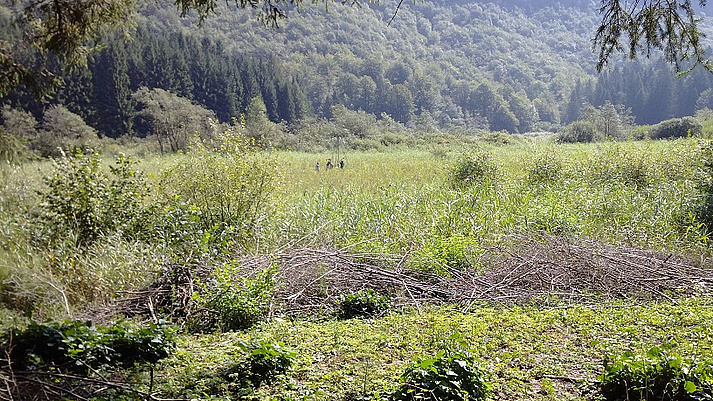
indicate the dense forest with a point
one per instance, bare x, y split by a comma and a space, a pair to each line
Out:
440, 65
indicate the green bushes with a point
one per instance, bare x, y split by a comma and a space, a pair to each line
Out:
230, 301
253, 365
456, 251
227, 188
449, 376
12, 147
579, 132
79, 346
472, 167
265, 361
676, 128
362, 304
660, 374
78, 360
83, 202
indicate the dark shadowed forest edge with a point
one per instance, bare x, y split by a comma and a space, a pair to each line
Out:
451, 207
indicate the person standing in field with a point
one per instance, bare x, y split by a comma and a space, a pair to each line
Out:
329, 164
341, 163
316, 167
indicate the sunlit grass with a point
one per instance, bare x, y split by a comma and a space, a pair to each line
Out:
639, 194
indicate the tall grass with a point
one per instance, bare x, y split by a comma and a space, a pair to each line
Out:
642, 194
638, 194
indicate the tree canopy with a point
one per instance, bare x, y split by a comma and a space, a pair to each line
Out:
55, 35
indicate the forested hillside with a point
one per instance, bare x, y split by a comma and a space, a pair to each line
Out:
512, 66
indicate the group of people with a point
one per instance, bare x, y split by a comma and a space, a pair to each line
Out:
330, 165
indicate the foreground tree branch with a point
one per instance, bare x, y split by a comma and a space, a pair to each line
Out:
640, 26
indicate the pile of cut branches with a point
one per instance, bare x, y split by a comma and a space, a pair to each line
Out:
529, 268
577, 271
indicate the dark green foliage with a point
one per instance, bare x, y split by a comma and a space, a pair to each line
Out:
266, 361
671, 27
676, 128
579, 131
660, 374
77, 346
259, 362
362, 304
451, 376
472, 167
231, 302
83, 202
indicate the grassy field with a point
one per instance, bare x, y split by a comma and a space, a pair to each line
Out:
435, 211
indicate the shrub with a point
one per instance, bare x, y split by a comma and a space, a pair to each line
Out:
266, 361
78, 360
704, 208
83, 202
498, 138
260, 362
579, 132
362, 304
230, 302
365, 145
12, 147
226, 187
473, 167
676, 128
62, 129
449, 376
660, 374
452, 252
78, 346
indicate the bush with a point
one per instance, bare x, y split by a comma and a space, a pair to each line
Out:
451, 376
451, 252
77, 346
579, 132
230, 302
659, 375
77, 360
12, 148
365, 145
704, 208
83, 202
676, 128
362, 304
226, 187
473, 167
498, 138
266, 361
260, 362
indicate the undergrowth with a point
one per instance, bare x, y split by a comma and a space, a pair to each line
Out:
521, 352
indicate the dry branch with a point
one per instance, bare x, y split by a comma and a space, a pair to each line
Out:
540, 269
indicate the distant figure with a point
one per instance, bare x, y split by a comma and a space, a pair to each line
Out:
316, 167
341, 163
329, 164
